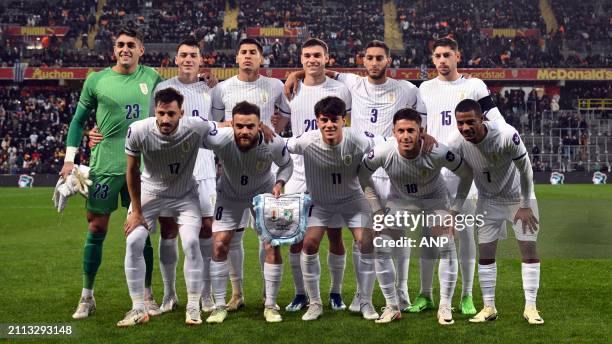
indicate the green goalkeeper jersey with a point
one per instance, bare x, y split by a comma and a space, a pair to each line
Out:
119, 100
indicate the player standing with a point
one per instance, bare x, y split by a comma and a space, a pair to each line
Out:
417, 187
375, 99
503, 176
197, 102
266, 93
332, 156
314, 87
120, 95
246, 160
440, 96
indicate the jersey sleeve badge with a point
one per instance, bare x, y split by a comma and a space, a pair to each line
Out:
516, 139
450, 157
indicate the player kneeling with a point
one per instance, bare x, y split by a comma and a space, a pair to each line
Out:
504, 181
169, 146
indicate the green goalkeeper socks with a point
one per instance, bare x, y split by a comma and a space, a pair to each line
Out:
92, 258
148, 257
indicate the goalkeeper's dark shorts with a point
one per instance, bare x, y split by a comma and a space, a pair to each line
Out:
104, 193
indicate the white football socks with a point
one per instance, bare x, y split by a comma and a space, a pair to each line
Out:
135, 266
219, 273
272, 275
367, 276
531, 282
193, 265
311, 269
296, 270
447, 272
206, 251
385, 272
168, 260
467, 259
236, 262
336, 264
402, 262
427, 265
356, 259
487, 275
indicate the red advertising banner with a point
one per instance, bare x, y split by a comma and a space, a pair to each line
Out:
271, 32
36, 30
510, 32
502, 74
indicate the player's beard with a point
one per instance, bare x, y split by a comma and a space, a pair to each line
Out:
377, 76
245, 142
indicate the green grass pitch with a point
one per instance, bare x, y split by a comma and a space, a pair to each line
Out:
40, 276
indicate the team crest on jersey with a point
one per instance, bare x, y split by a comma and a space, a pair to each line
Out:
260, 165
392, 97
423, 173
516, 139
368, 134
371, 154
461, 95
264, 96
144, 88
185, 146
348, 160
450, 156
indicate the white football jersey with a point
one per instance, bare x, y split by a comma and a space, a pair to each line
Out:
492, 161
332, 171
264, 92
373, 106
303, 118
168, 159
417, 178
248, 174
196, 102
440, 99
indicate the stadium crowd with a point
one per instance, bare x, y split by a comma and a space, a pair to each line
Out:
346, 26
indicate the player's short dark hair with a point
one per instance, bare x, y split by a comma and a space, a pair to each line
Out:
167, 96
245, 108
407, 114
189, 41
251, 41
379, 44
330, 107
313, 42
468, 105
446, 42
131, 32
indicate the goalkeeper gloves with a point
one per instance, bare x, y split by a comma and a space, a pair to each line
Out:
77, 181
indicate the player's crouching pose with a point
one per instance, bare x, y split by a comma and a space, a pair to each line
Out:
417, 187
246, 160
332, 156
503, 176
169, 147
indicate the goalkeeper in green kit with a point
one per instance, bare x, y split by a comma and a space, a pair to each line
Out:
120, 95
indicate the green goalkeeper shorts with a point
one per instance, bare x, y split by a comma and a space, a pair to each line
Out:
104, 193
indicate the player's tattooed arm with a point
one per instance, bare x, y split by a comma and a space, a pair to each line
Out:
209, 78
135, 218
